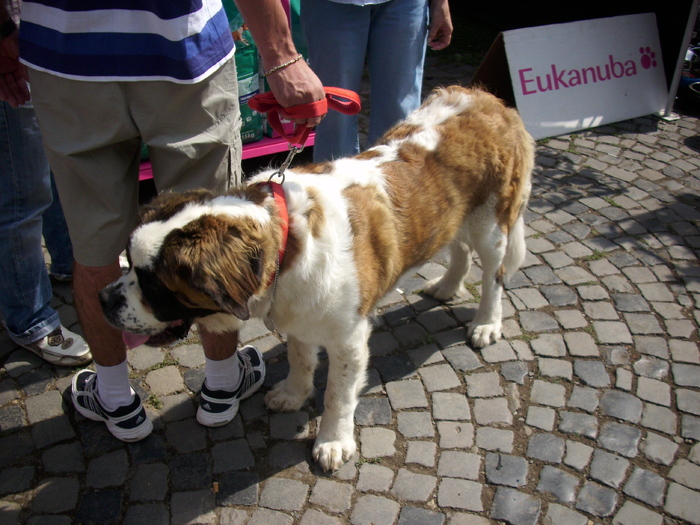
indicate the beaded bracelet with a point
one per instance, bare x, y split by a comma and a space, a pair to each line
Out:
282, 66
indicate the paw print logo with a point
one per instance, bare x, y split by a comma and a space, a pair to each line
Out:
648, 57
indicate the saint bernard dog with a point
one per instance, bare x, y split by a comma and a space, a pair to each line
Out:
316, 253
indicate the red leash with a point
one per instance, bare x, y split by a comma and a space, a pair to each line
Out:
342, 100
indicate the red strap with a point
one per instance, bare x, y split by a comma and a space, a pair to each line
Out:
281, 202
266, 103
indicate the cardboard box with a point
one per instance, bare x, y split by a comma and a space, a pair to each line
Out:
578, 75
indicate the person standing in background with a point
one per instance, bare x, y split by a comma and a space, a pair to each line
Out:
29, 207
390, 38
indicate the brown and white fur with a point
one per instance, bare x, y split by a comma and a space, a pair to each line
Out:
456, 171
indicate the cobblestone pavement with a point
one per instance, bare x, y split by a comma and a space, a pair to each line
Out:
587, 412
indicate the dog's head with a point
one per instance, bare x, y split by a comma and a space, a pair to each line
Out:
193, 255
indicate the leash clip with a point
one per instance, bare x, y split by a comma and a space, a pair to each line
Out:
293, 150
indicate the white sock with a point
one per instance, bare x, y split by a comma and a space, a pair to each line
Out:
224, 374
113, 386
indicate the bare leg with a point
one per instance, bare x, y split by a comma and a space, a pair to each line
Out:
104, 340
218, 346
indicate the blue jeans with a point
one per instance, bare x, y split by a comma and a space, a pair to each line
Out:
26, 210
391, 39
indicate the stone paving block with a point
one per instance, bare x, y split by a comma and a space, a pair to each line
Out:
486, 384
654, 391
577, 454
503, 469
609, 469
537, 322
686, 473
651, 367
560, 515
411, 486
651, 345
600, 311
683, 503
557, 368
449, 406
289, 425
455, 434
547, 393
492, 411
684, 351
231, 455
439, 377
570, 319
540, 417
632, 514
596, 499
149, 483
584, 398
612, 332
623, 379
190, 472
515, 372
579, 424
44, 406
559, 483
690, 427
416, 516
515, 507
165, 381
499, 352
314, 517
56, 495
581, 344
623, 439
415, 424
108, 470
375, 478
406, 394
284, 494
621, 406
549, 345
101, 506
421, 453
332, 495
546, 447
497, 439
462, 358
377, 442
646, 486
151, 513
456, 464
269, 517
688, 401
460, 494
659, 418
63, 458
593, 373
373, 411
374, 509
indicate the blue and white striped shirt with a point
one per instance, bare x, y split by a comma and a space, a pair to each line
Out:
182, 41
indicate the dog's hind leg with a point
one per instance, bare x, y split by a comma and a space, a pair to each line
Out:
335, 442
491, 245
290, 394
451, 284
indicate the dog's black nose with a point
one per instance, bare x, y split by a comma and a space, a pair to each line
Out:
112, 298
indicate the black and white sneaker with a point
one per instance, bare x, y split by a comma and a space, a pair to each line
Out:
127, 423
218, 407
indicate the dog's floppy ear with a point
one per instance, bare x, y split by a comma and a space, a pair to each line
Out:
216, 263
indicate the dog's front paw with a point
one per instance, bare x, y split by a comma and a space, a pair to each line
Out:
484, 334
283, 398
331, 455
444, 291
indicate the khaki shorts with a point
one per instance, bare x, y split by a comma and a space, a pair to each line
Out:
93, 131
